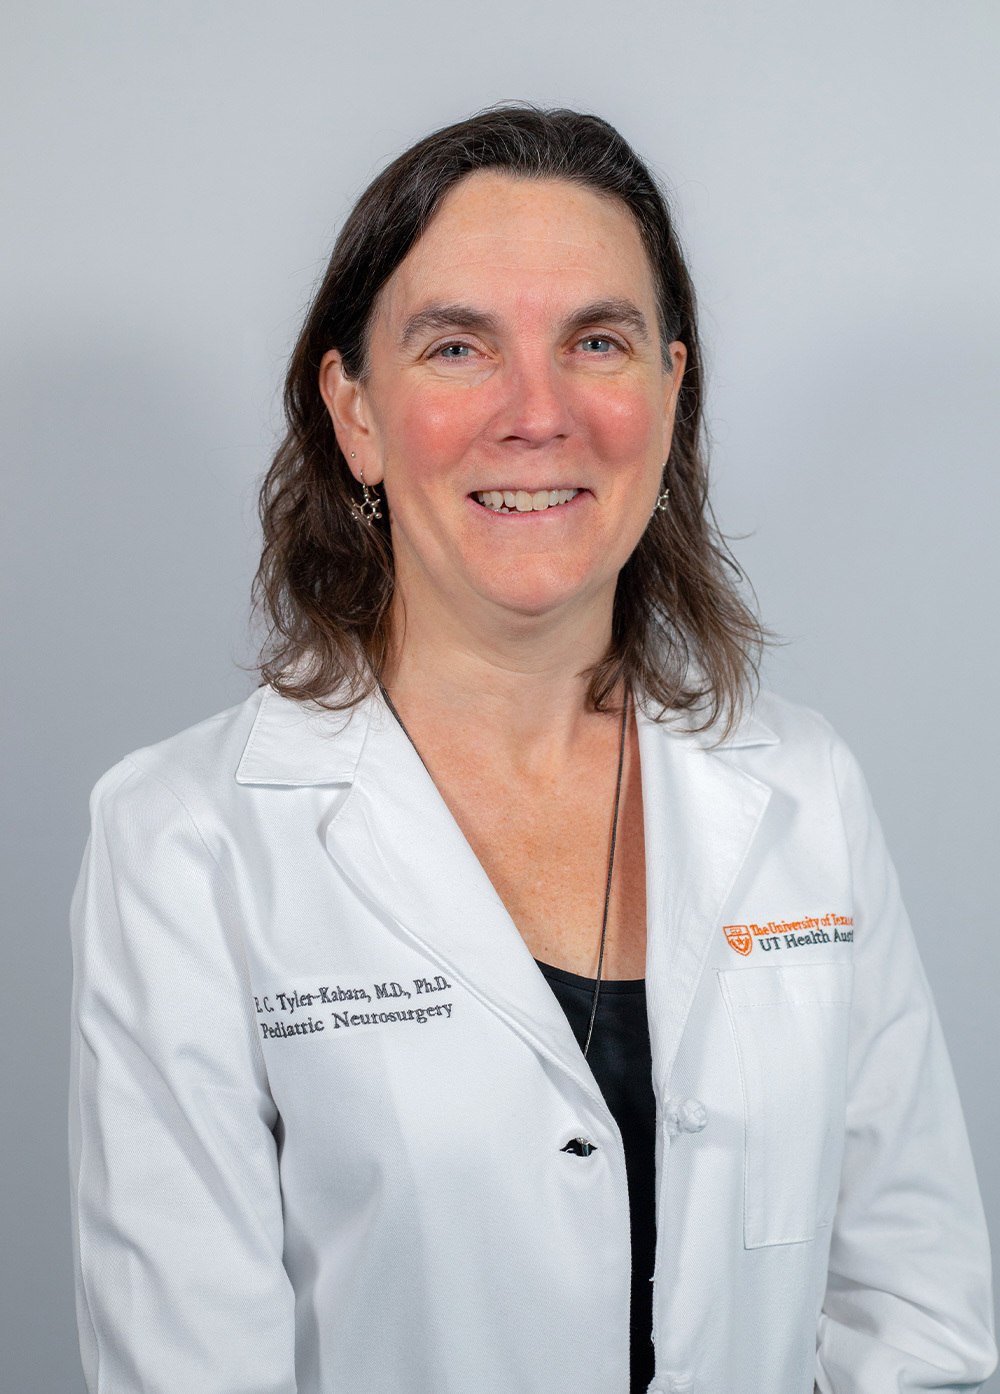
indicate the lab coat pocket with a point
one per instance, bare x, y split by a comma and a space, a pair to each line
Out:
790, 1025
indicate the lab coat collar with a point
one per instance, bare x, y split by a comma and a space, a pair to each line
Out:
394, 839
297, 744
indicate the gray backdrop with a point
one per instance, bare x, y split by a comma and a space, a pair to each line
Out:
173, 176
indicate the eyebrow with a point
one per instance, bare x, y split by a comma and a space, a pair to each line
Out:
616, 312
622, 313
446, 317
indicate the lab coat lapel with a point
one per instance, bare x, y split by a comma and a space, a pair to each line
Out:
701, 815
397, 843
395, 840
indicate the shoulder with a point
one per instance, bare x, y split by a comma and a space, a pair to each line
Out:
796, 749
794, 725
789, 746
790, 749
801, 730
194, 767
214, 769
769, 723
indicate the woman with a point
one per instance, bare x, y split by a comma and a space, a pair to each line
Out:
500, 999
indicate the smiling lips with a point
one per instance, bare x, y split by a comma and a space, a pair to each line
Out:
521, 501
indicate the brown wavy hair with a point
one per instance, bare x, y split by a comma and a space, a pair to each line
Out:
682, 637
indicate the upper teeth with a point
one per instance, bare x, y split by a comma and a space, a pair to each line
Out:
520, 501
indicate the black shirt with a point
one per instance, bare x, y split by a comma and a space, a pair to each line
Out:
621, 1062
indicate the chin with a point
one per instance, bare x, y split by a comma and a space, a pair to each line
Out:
532, 595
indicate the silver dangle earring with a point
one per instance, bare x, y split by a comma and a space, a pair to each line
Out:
368, 510
662, 496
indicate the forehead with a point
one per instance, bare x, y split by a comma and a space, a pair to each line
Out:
504, 238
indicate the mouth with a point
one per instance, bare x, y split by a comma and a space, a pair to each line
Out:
524, 500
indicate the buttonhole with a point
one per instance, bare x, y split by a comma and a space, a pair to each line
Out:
579, 1146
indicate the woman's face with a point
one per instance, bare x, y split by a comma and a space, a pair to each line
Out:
515, 362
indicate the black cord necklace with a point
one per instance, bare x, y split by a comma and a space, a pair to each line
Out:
611, 851
611, 867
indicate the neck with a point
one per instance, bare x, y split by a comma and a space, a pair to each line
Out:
518, 684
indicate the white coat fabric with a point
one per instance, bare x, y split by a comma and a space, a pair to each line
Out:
322, 1092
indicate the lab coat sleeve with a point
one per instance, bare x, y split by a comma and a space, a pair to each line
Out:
908, 1305
176, 1204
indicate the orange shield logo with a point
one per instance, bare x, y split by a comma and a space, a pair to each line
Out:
739, 937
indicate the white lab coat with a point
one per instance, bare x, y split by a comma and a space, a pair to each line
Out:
321, 1090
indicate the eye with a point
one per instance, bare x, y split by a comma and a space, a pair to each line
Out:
453, 352
598, 344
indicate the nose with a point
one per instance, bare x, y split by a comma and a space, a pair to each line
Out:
536, 410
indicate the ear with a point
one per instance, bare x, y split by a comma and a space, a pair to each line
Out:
671, 390
351, 417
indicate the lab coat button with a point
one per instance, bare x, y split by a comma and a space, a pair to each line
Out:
684, 1116
579, 1146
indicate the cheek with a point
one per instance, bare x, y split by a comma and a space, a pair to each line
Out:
432, 430
623, 421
